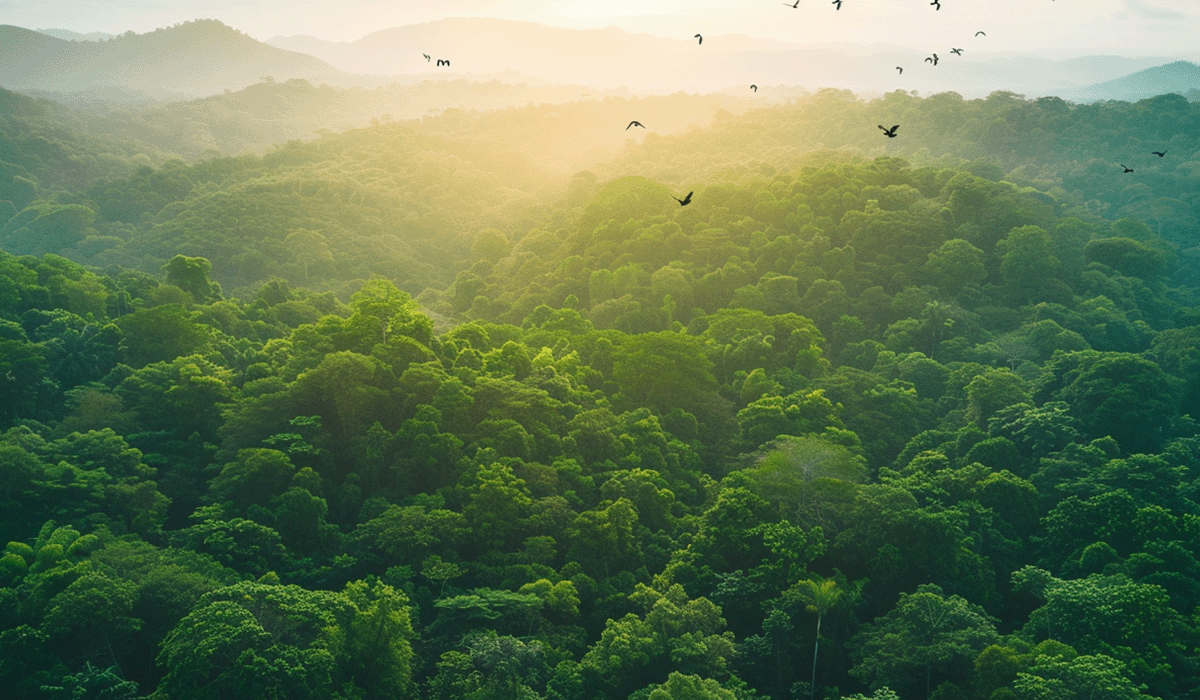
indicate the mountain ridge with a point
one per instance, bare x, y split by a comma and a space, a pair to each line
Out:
1175, 77
199, 58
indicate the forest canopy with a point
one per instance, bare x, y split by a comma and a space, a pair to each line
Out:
464, 407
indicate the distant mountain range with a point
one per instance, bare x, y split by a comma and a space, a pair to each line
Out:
205, 57
195, 58
608, 58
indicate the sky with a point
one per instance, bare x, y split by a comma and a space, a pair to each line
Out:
1044, 27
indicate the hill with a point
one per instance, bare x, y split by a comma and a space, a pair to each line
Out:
1178, 77
255, 118
199, 58
68, 35
47, 147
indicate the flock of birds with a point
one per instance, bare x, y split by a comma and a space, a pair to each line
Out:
889, 133
932, 59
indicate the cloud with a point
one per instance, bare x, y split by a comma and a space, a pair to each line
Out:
1151, 12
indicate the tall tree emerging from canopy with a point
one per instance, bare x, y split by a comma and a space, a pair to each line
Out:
819, 596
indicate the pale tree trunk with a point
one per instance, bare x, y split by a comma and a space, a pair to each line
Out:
812, 690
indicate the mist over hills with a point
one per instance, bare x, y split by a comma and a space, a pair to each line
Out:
612, 57
197, 58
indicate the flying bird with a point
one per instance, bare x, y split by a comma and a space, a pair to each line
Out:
701, 40
1128, 170
635, 123
900, 69
978, 33
793, 6
443, 63
685, 201
933, 59
755, 87
890, 133
426, 57
956, 51
838, 3
937, 4
1160, 154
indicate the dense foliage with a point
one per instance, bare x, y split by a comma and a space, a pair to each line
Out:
847, 425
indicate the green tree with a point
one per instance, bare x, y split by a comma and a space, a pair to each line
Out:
791, 463
993, 390
1122, 395
160, 334
1086, 677
1028, 263
409, 534
689, 687
492, 667
268, 640
374, 648
926, 632
253, 476
667, 370
604, 539
1111, 615
192, 276
92, 616
238, 543
499, 506
92, 682
674, 633
799, 413
310, 250
183, 395
955, 265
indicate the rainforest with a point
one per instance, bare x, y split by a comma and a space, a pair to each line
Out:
467, 405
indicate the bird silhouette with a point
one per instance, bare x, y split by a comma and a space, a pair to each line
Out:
890, 133
755, 87
978, 33
1128, 170
838, 3
685, 201
937, 4
701, 40
443, 63
793, 6
900, 69
932, 59
426, 57
1161, 153
635, 123
956, 51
